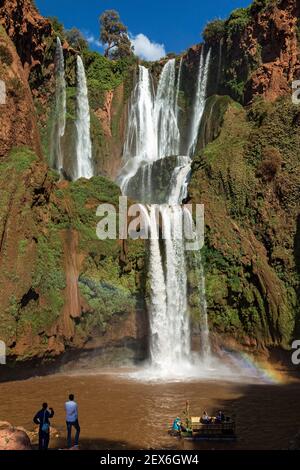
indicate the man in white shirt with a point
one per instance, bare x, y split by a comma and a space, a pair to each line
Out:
72, 420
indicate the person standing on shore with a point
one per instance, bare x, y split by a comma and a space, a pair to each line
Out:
42, 419
71, 408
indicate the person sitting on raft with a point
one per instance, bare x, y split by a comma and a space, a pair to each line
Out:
205, 419
176, 425
220, 418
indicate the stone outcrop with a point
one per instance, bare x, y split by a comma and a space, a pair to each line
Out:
27, 29
12, 438
274, 35
111, 117
18, 126
256, 51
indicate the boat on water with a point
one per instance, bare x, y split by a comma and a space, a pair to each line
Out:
217, 428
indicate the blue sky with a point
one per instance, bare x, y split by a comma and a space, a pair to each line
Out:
156, 26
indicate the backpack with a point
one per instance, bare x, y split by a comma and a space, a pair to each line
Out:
45, 426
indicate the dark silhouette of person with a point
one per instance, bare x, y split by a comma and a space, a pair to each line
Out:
42, 419
71, 408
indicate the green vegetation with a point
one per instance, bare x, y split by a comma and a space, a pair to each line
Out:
35, 285
19, 159
76, 39
105, 300
22, 246
238, 63
57, 26
236, 23
248, 178
104, 74
214, 31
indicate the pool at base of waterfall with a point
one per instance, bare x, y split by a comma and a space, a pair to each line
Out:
119, 411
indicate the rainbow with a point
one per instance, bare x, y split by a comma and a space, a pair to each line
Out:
262, 370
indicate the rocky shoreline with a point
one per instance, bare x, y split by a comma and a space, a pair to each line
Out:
18, 438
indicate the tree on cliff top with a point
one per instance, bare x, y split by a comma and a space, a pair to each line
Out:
114, 36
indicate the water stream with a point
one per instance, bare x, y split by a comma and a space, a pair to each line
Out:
59, 121
84, 164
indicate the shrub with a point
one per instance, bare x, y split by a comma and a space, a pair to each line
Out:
15, 88
5, 55
260, 5
214, 31
238, 20
270, 165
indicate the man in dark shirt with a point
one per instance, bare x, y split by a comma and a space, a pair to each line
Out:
42, 419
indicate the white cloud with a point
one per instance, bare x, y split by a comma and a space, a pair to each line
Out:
147, 50
92, 40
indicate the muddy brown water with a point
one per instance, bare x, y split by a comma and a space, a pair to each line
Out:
119, 413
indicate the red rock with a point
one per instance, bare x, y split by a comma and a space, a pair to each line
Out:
14, 439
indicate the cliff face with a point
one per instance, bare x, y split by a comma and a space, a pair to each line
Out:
256, 51
275, 33
248, 179
246, 172
17, 116
60, 287
28, 30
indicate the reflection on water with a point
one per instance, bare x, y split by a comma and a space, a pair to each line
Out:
117, 412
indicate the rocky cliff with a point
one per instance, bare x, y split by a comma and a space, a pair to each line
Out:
60, 287
256, 50
246, 172
17, 118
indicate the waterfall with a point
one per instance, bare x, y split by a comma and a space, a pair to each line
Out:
158, 318
84, 164
179, 180
199, 103
153, 134
59, 125
165, 113
152, 131
220, 62
178, 87
141, 140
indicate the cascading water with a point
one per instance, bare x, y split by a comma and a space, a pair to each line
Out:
152, 131
199, 103
179, 180
178, 88
84, 164
169, 321
220, 61
59, 126
165, 113
153, 134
